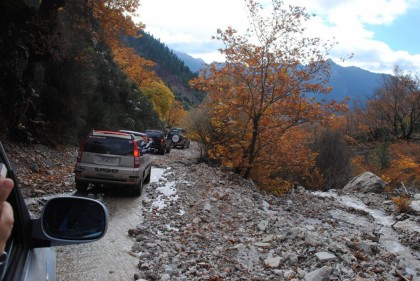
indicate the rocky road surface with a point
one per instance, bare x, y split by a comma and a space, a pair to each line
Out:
218, 226
195, 222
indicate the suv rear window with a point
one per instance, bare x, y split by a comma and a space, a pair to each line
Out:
177, 131
154, 134
107, 145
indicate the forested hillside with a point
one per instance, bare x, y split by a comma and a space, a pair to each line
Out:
169, 67
59, 79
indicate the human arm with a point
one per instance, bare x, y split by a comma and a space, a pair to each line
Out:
6, 212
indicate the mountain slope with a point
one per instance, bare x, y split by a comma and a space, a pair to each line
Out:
193, 64
354, 82
169, 67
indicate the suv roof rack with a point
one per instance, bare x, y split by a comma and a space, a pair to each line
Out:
112, 133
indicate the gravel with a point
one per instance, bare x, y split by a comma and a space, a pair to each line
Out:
218, 226
214, 225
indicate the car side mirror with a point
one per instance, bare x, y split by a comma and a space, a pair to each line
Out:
74, 218
70, 220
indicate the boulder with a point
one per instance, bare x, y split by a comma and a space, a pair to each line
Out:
320, 274
415, 204
367, 183
272, 261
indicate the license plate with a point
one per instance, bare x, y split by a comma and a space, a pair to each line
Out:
108, 160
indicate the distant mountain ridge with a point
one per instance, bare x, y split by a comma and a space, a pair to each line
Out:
176, 68
194, 64
357, 83
354, 82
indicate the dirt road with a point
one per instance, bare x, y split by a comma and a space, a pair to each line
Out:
111, 257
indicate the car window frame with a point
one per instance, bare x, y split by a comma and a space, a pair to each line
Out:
17, 246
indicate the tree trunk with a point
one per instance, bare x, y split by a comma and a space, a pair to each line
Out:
252, 153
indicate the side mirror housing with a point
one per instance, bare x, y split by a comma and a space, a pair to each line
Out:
70, 220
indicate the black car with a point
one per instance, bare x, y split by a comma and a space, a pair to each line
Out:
179, 138
161, 143
64, 220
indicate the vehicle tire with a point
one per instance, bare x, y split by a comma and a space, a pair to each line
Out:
168, 150
81, 186
137, 190
188, 145
147, 178
162, 151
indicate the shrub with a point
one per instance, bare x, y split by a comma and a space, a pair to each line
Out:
333, 159
402, 203
382, 154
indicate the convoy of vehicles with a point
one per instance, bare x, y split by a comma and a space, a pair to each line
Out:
121, 158
112, 158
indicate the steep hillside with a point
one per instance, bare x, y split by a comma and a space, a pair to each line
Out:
59, 79
169, 67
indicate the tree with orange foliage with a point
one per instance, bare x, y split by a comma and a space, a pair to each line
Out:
114, 17
115, 21
175, 114
259, 97
140, 70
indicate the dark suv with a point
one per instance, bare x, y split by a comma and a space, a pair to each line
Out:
179, 138
161, 143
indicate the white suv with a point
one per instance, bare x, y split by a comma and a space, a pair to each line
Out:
107, 157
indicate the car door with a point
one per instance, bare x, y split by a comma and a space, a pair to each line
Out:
24, 262
31, 256
145, 161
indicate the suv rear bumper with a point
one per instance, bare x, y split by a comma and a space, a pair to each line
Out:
133, 181
88, 174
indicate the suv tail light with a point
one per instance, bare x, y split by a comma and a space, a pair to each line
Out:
79, 153
136, 154
162, 140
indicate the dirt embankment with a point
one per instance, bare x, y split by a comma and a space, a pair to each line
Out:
42, 170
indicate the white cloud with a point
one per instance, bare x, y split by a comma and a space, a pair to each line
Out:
199, 18
347, 22
188, 25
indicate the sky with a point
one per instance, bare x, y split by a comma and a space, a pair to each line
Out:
379, 34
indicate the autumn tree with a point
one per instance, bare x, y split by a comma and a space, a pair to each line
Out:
260, 95
114, 18
160, 96
175, 115
394, 108
199, 126
140, 70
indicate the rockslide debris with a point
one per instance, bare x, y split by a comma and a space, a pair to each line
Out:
217, 226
